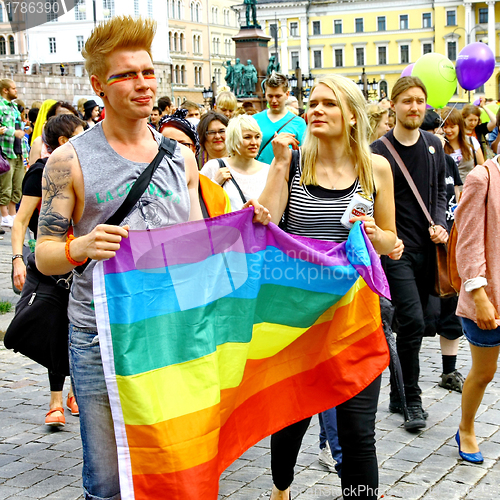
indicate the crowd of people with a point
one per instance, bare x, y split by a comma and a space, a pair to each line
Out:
297, 168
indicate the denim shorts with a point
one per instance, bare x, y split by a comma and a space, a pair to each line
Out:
100, 459
478, 337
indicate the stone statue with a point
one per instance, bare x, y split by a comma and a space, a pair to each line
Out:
251, 11
238, 78
272, 66
229, 75
249, 78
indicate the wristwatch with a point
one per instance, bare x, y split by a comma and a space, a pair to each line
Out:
17, 256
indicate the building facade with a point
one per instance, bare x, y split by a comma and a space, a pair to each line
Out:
55, 47
327, 36
13, 46
200, 41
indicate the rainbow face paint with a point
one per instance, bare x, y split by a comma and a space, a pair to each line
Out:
148, 74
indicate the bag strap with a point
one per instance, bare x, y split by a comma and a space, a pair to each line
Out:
272, 137
408, 178
223, 165
294, 166
167, 147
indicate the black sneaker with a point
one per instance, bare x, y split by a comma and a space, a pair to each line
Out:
416, 419
397, 408
453, 381
2, 231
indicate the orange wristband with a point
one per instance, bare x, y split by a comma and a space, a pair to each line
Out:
71, 237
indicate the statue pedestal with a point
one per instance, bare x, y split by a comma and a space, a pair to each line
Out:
251, 43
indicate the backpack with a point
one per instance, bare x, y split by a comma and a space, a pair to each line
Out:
453, 276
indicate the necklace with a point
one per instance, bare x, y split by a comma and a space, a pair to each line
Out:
339, 175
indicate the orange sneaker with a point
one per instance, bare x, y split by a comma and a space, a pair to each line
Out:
72, 406
54, 420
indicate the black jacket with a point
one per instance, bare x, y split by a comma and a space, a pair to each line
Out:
437, 171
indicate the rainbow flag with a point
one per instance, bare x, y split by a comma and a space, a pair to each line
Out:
217, 333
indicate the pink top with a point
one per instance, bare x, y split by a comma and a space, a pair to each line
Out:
478, 224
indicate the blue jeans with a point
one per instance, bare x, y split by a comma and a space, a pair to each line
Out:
100, 459
328, 431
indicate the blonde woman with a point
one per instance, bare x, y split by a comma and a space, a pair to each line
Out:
379, 121
240, 174
335, 164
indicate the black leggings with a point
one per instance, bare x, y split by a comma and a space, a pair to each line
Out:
56, 382
356, 428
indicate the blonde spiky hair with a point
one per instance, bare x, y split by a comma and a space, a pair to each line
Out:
120, 32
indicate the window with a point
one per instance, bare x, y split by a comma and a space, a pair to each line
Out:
294, 29
175, 42
383, 87
3, 48
403, 22
1, 13
215, 15
177, 74
197, 75
183, 74
12, 45
215, 46
109, 8
79, 43
317, 58
195, 12
404, 51
339, 58
52, 8
337, 26
451, 18
426, 48
9, 14
52, 45
382, 55
227, 47
360, 56
226, 17
273, 30
295, 59
170, 41
483, 16
80, 15
358, 23
150, 8
181, 42
316, 28
426, 20
179, 9
381, 23
452, 51
136, 8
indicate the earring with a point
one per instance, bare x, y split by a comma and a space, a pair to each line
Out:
101, 94
352, 123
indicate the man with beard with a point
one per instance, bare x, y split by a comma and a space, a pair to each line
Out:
412, 277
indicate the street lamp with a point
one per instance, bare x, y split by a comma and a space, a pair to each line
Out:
366, 86
300, 86
208, 96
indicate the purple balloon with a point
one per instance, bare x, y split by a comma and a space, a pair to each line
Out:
477, 102
407, 70
475, 65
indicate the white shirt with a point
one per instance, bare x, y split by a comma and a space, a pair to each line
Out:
252, 185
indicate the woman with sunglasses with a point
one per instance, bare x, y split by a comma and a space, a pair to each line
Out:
212, 134
334, 165
213, 199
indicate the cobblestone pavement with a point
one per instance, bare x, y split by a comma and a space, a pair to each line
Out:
37, 462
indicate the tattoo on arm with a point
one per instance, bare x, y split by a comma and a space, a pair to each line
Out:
57, 178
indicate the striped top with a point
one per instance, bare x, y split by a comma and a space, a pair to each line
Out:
315, 212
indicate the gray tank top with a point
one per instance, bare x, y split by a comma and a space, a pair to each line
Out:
108, 177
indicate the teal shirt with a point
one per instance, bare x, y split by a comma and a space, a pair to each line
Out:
297, 127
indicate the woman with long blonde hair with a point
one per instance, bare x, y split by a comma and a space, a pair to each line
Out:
379, 121
335, 164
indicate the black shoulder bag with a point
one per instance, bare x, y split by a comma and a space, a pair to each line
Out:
39, 329
242, 196
294, 166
